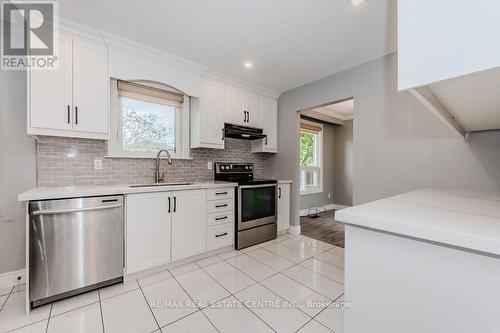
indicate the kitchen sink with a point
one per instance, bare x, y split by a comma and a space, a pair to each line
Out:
161, 184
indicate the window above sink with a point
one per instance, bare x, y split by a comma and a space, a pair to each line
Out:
146, 119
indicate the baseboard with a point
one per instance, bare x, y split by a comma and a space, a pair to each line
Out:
294, 230
11, 279
304, 212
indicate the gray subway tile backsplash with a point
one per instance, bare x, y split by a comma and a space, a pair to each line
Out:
69, 161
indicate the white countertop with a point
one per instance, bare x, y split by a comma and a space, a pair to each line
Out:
463, 219
43, 193
284, 181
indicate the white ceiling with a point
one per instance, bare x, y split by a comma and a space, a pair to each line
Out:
290, 42
343, 110
336, 113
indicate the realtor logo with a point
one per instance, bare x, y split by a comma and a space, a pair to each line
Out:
29, 34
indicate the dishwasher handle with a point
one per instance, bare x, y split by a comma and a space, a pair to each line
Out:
72, 210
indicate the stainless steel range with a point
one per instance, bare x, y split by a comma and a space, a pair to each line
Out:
256, 203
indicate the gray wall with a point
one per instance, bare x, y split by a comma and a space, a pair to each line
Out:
17, 168
321, 199
343, 164
399, 145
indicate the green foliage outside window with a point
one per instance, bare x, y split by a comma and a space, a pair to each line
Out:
307, 149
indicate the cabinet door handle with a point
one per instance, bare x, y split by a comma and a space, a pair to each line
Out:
69, 116
220, 218
248, 116
244, 116
220, 235
175, 204
223, 134
220, 193
218, 206
265, 142
169, 204
76, 115
279, 192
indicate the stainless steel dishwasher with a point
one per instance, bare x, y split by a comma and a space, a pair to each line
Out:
75, 245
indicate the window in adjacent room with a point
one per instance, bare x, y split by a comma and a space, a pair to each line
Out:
147, 119
310, 157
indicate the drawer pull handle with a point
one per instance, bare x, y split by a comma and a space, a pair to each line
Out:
220, 206
220, 193
220, 235
220, 218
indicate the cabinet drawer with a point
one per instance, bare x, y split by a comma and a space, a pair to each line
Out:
219, 236
216, 206
220, 218
220, 193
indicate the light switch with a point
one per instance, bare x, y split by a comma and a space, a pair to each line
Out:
209, 165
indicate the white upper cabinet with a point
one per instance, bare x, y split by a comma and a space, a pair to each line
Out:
90, 87
73, 100
50, 100
207, 116
252, 104
270, 113
449, 59
242, 107
221, 103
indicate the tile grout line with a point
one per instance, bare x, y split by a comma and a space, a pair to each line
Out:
234, 296
277, 272
297, 264
309, 270
308, 258
149, 307
48, 319
100, 308
199, 309
6, 298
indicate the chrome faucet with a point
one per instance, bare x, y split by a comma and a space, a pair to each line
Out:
158, 178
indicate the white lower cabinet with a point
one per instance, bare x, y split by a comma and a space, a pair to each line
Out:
148, 231
189, 226
283, 207
164, 226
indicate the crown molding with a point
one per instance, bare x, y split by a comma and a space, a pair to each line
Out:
113, 40
211, 74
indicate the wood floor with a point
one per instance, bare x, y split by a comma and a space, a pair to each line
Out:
323, 228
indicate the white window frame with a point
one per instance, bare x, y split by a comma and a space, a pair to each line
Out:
115, 146
319, 151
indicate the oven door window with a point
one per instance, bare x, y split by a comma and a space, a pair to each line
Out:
258, 203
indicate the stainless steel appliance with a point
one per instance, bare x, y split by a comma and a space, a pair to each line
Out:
256, 203
75, 245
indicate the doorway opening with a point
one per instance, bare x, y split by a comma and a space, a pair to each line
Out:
326, 169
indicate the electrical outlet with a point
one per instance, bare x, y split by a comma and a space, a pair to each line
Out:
329, 195
209, 165
97, 164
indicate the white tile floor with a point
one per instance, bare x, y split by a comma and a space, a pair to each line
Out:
285, 285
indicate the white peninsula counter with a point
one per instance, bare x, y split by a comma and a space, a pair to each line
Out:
423, 261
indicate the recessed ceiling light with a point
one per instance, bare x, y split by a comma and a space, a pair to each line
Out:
248, 65
357, 2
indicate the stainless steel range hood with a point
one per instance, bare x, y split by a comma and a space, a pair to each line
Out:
243, 132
